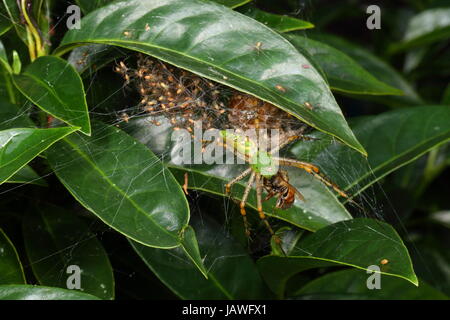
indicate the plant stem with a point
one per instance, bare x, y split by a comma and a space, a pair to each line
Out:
37, 43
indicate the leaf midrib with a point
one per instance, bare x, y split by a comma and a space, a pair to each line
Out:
105, 177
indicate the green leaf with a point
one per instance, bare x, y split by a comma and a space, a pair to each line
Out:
218, 43
53, 85
232, 3
8, 92
20, 146
134, 193
65, 240
358, 243
27, 175
28, 292
90, 5
11, 271
13, 15
431, 256
93, 57
231, 272
378, 68
351, 284
190, 247
446, 96
321, 208
289, 238
393, 139
4, 58
5, 23
13, 117
280, 23
17, 63
343, 73
424, 28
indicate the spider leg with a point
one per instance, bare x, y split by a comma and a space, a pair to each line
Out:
241, 176
244, 200
296, 135
262, 216
312, 169
285, 143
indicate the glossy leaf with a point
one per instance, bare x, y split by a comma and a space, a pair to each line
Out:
352, 284
13, 15
122, 183
190, 247
426, 27
358, 243
20, 146
343, 73
92, 57
17, 63
13, 117
11, 271
54, 85
218, 43
5, 23
377, 68
8, 93
392, 139
28, 292
280, 23
231, 272
232, 3
27, 175
4, 58
320, 209
90, 5
65, 240
431, 256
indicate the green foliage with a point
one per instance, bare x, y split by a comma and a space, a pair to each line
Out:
84, 184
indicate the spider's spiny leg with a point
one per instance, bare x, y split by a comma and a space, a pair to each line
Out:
312, 169
244, 200
284, 143
290, 137
262, 216
241, 176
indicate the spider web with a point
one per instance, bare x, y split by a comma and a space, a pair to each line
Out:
119, 114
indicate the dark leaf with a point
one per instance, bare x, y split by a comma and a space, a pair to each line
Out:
54, 85
11, 271
65, 240
359, 243
122, 183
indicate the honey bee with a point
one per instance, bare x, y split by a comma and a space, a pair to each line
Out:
278, 185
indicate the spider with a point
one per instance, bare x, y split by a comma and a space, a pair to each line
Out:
265, 174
